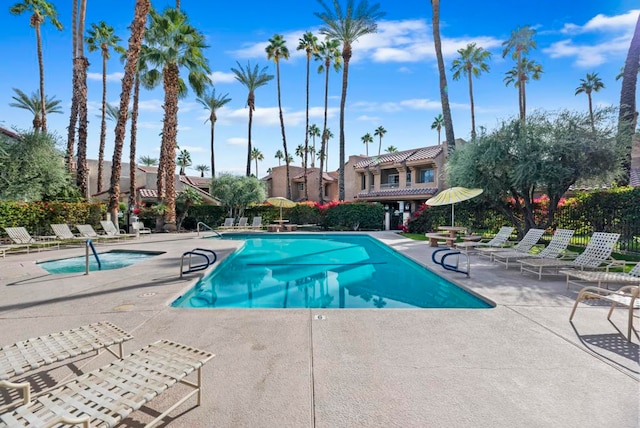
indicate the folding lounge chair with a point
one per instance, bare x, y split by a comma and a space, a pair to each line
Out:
88, 231
599, 277
64, 233
256, 223
523, 247
111, 230
20, 236
106, 396
34, 353
497, 241
228, 223
625, 296
558, 244
597, 253
4, 248
242, 223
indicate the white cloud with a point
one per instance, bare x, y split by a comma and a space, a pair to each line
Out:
154, 105
111, 77
222, 77
192, 149
257, 50
394, 107
366, 118
269, 116
600, 22
588, 55
237, 141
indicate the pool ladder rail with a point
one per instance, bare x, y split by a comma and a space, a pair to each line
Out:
89, 245
209, 256
207, 227
442, 261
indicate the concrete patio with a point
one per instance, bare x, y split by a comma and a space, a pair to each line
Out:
520, 364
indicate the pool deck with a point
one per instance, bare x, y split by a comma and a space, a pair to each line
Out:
520, 364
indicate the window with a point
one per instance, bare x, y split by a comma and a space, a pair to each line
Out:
300, 186
394, 179
426, 175
363, 182
326, 191
408, 178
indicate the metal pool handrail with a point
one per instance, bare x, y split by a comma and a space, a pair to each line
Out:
89, 244
197, 252
208, 227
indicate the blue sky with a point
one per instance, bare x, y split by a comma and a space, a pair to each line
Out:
393, 79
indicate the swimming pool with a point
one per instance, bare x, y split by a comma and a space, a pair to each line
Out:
114, 259
322, 271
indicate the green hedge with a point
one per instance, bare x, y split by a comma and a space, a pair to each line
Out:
37, 216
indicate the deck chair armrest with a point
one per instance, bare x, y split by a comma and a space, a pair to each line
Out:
25, 387
84, 421
613, 263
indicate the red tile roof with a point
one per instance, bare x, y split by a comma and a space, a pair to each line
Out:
411, 191
634, 178
403, 156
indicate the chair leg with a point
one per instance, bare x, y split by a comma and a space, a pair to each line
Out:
575, 306
613, 306
630, 322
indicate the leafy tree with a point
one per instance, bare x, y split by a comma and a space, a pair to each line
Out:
328, 54
308, 43
346, 26
236, 193
32, 169
257, 155
40, 11
252, 79
592, 83
437, 124
202, 169
546, 154
148, 161
518, 44
367, 139
32, 104
102, 37
183, 160
276, 50
444, 94
379, 132
279, 155
471, 63
212, 102
391, 149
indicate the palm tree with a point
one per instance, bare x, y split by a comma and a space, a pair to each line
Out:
592, 83
518, 44
148, 161
138, 29
471, 63
112, 112
347, 26
529, 69
102, 37
252, 79
366, 139
444, 94
256, 155
202, 169
313, 132
173, 43
279, 155
183, 160
211, 102
300, 151
308, 43
437, 124
277, 49
328, 53
327, 136
391, 149
40, 10
379, 132
32, 104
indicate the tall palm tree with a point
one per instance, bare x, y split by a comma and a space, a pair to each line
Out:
212, 102
520, 76
300, 151
183, 161
327, 136
347, 26
174, 44
276, 50
471, 63
113, 112
102, 37
73, 117
279, 155
627, 118
518, 44
202, 169
148, 161
444, 94
367, 139
391, 149
40, 11
379, 132
256, 155
328, 54
592, 83
32, 104
138, 29
308, 43
313, 132
437, 124
252, 79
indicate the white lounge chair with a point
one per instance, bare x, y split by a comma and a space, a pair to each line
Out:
498, 241
106, 396
20, 236
256, 223
625, 296
595, 255
64, 233
521, 251
111, 230
523, 246
598, 277
88, 231
228, 223
242, 223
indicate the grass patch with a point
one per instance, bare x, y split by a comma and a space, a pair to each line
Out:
415, 236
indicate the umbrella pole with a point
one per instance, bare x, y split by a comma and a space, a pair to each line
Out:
280, 213
452, 215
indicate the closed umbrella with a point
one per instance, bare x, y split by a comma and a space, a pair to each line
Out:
452, 196
279, 201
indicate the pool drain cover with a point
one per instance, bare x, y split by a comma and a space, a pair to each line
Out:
149, 294
320, 317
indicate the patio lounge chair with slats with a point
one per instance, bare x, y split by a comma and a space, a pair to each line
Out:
228, 223
106, 396
64, 233
111, 230
521, 251
256, 223
30, 354
595, 255
581, 278
20, 236
242, 223
523, 246
498, 241
88, 231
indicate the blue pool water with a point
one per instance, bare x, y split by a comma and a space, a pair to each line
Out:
110, 260
322, 271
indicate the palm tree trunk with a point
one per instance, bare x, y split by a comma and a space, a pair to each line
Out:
346, 57
249, 141
473, 115
256, 167
133, 141
170, 131
73, 119
135, 41
82, 176
162, 162
212, 119
323, 144
444, 96
284, 137
103, 124
306, 134
41, 68
380, 145
593, 123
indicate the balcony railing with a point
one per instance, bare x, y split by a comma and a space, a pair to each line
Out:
389, 185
